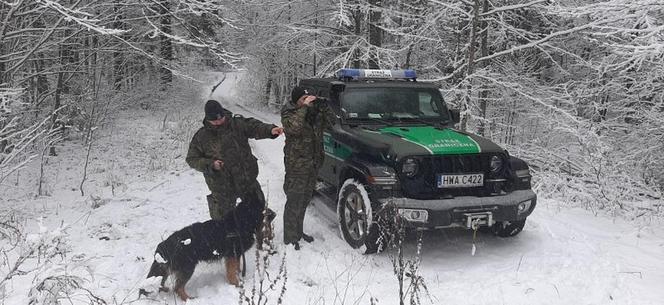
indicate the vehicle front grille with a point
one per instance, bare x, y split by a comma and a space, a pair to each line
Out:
424, 184
457, 164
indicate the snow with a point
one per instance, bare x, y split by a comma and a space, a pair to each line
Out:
563, 256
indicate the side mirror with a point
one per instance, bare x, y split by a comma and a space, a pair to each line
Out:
456, 115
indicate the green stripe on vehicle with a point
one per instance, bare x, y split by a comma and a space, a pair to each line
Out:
436, 141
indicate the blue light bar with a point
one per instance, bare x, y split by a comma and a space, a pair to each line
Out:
409, 74
357, 74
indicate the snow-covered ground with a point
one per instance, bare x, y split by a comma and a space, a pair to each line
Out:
563, 256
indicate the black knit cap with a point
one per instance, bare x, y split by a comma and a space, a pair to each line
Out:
214, 111
297, 93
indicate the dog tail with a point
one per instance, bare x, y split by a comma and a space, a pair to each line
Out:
156, 270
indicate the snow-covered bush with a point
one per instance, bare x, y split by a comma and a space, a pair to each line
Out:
58, 277
62, 288
43, 256
19, 133
268, 285
412, 286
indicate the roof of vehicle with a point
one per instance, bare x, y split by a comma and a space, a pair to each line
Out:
369, 83
351, 77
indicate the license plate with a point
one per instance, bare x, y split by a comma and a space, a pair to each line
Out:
455, 181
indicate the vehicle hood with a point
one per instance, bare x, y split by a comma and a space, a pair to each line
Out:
402, 141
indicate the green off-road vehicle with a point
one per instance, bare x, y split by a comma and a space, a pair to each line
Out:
394, 144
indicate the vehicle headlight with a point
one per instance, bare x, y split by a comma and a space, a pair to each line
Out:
496, 164
409, 167
523, 206
414, 215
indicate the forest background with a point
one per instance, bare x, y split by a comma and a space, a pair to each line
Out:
576, 88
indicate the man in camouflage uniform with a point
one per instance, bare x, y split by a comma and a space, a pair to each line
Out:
220, 149
304, 120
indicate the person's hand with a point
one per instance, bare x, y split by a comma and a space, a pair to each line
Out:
276, 131
217, 164
308, 100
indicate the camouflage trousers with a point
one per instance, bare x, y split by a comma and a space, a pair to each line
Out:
299, 190
219, 204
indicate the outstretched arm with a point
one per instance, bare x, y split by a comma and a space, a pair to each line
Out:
256, 129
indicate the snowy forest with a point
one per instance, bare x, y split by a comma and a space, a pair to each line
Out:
575, 88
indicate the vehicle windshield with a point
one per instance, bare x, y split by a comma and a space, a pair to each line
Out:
393, 104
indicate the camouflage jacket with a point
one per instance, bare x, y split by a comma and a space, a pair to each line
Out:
230, 144
304, 127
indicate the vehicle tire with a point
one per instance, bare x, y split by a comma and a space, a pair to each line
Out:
354, 213
508, 228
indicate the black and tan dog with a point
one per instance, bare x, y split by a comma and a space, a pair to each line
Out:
212, 240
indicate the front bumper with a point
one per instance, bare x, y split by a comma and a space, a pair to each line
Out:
452, 212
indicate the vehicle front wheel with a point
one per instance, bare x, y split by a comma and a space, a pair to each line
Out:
508, 228
354, 213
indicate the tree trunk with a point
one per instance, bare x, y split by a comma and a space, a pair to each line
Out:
358, 33
408, 54
484, 49
117, 53
92, 64
56, 106
463, 125
268, 89
165, 45
4, 9
315, 59
375, 33
2, 66
60, 87
278, 93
